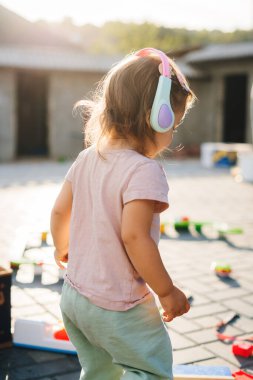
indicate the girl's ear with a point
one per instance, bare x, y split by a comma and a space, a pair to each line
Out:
160, 68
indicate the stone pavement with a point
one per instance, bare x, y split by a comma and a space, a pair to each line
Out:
27, 193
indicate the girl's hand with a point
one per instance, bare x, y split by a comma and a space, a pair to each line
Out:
174, 304
61, 257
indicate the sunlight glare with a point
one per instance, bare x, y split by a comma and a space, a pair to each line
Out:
192, 14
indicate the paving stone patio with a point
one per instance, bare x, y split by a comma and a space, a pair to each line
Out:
28, 190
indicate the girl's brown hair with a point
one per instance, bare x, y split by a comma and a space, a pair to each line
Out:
123, 100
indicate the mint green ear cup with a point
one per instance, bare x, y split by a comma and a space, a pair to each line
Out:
162, 116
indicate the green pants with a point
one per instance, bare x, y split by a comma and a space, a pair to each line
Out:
113, 345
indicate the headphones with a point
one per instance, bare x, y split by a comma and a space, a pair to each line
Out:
162, 117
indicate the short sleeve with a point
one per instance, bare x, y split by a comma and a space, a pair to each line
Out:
148, 181
70, 173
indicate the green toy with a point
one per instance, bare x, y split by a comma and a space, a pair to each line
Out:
183, 225
221, 269
32, 254
224, 230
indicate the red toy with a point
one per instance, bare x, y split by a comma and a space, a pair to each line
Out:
241, 375
61, 335
231, 317
242, 349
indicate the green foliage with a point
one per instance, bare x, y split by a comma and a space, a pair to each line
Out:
117, 37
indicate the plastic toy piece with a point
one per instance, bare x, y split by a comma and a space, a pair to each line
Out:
201, 372
231, 338
232, 231
225, 338
28, 256
203, 377
223, 230
242, 349
44, 237
226, 321
241, 375
221, 269
230, 318
182, 224
41, 335
15, 264
43, 241
61, 334
25, 259
198, 226
162, 228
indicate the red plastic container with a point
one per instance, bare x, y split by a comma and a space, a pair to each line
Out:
242, 349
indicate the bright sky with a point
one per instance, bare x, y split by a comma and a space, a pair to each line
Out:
225, 15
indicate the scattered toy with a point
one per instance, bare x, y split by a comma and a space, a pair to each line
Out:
231, 338
162, 228
220, 326
242, 375
241, 346
190, 299
221, 269
223, 229
37, 260
32, 254
42, 336
183, 224
43, 241
242, 349
61, 335
201, 372
231, 317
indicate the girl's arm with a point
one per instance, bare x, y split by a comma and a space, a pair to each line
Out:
145, 257
60, 221
141, 248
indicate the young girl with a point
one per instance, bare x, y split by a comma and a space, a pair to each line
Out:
105, 224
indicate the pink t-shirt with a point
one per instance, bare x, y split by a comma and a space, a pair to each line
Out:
98, 265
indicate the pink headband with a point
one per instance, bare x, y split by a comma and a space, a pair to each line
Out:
167, 63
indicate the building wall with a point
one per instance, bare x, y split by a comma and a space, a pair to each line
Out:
203, 123
217, 72
200, 121
65, 137
249, 130
65, 130
7, 115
